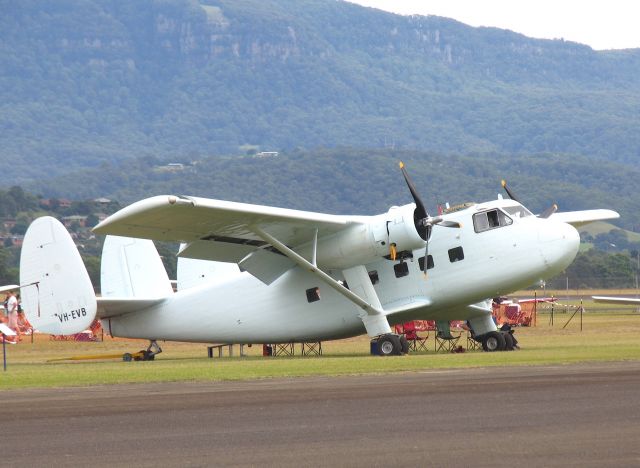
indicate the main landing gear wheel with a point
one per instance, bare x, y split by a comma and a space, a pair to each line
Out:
493, 341
508, 341
389, 345
404, 345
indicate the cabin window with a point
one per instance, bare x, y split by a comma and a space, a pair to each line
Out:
401, 269
313, 294
491, 219
456, 254
429, 262
373, 276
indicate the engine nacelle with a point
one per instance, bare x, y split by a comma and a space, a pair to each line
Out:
366, 242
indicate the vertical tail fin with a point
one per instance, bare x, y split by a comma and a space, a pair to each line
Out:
132, 268
56, 291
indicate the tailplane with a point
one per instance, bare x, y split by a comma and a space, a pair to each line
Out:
56, 291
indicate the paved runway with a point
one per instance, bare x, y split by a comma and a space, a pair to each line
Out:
573, 415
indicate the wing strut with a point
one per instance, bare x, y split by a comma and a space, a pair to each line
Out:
375, 320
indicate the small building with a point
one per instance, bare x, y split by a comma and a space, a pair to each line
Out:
69, 220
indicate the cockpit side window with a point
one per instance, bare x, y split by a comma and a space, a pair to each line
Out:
492, 219
517, 211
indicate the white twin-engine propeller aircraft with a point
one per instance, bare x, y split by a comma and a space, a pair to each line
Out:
258, 274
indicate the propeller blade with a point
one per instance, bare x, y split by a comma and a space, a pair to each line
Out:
426, 258
509, 192
421, 211
549, 211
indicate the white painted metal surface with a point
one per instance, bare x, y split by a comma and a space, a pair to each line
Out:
222, 304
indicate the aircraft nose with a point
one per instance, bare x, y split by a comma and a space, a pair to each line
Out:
562, 244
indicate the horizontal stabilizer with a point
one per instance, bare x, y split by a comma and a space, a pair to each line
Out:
113, 306
9, 287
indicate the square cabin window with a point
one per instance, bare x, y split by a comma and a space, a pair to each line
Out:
313, 294
456, 254
373, 276
401, 269
429, 263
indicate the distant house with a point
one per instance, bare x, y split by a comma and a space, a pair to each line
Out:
8, 223
69, 220
61, 202
171, 167
266, 154
102, 201
15, 241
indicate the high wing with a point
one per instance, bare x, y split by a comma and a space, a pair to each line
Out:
225, 231
226, 227
616, 300
580, 218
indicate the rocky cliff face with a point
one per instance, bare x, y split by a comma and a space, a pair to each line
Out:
82, 81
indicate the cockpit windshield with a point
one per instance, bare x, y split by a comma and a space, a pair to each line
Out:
518, 211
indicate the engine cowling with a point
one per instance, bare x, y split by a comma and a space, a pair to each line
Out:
366, 242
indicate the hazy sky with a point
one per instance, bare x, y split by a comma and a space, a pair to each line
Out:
601, 24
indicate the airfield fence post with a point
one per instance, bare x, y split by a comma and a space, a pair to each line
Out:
4, 353
551, 316
579, 309
535, 308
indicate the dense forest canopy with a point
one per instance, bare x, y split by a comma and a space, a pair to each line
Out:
88, 81
355, 181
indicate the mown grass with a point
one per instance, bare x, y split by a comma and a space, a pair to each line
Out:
606, 336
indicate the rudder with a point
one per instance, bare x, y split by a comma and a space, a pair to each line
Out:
56, 291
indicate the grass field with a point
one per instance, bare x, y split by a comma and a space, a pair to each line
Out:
608, 334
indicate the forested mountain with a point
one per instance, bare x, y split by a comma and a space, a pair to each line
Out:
84, 82
354, 181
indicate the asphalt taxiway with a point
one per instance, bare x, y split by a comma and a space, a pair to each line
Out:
571, 415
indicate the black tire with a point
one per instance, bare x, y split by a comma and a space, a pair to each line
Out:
493, 341
389, 345
127, 357
508, 341
404, 345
